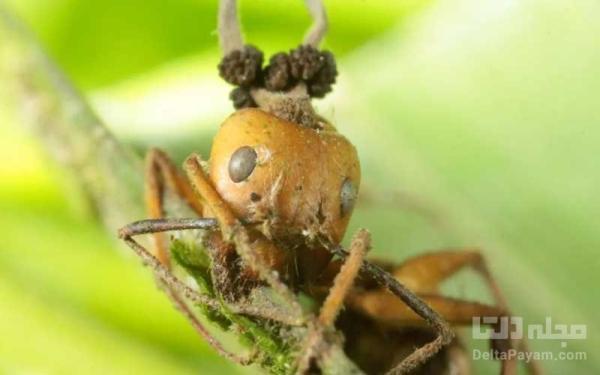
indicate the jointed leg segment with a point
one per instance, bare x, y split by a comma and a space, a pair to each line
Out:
345, 278
173, 286
424, 273
167, 279
334, 301
160, 174
441, 327
387, 309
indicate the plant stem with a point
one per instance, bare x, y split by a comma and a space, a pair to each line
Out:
39, 93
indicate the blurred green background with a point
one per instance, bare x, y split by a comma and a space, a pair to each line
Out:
477, 123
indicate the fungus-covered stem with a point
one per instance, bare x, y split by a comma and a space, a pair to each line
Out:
230, 35
317, 32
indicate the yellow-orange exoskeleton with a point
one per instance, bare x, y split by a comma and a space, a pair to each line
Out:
306, 180
275, 199
296, 185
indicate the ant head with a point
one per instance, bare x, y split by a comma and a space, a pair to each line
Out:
294, 179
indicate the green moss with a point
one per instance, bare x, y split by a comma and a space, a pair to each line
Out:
273, 343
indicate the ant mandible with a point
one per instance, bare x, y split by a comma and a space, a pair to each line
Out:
276, 197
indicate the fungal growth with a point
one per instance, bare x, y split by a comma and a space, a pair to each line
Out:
348, 195
291, 78
272, 206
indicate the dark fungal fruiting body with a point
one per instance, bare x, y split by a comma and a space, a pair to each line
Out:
317, 69
277, 73
241, 98
305, 62
242, 67
303, 65
322, 82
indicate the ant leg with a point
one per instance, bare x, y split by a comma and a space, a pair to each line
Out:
234, 231
422, 309
152, 226
172, 285
334, 301
161, 173
361, 243
424, 273
212, 341
388, 309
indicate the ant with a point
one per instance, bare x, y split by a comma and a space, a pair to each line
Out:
273, 203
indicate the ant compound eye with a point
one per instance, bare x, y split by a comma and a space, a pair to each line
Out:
348, 196
242, 163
